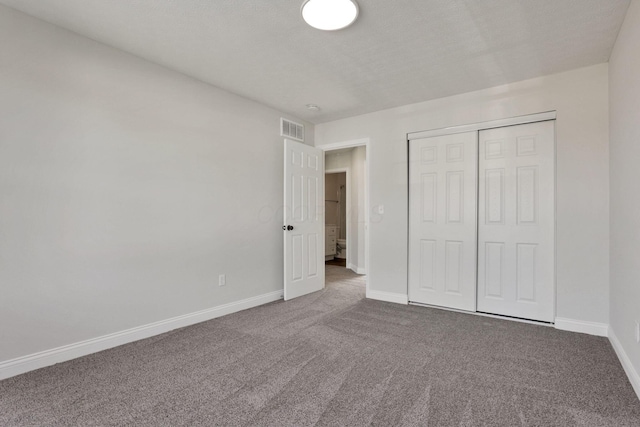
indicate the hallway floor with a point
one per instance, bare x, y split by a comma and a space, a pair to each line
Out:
335, 274
339, 262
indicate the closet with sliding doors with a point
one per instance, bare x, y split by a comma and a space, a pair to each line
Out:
482, 217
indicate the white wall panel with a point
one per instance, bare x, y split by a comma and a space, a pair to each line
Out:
580, 98
624, 83
429, 192
126, 189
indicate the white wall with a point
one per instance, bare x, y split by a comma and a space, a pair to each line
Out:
358, 158
338, 159
624, 87
332, 214
581, 100
126, 189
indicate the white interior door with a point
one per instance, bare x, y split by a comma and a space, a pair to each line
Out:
303, 219
516, 239
442, 220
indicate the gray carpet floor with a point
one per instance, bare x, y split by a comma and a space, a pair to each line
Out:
334, 358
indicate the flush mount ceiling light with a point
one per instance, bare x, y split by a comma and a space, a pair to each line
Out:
313, 107
329, 15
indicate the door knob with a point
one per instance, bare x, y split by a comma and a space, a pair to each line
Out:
287, 227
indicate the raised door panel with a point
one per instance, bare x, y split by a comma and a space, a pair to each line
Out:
516, 234
455, 197
427, 278
428, 194
442, 223
493, 270
454, 267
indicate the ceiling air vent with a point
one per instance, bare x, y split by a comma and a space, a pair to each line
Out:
291, 129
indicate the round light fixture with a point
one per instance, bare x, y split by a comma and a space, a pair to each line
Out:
313, 107
329, 15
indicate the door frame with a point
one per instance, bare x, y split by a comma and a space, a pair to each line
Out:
367, 191
347, 180
477, 127
511, 121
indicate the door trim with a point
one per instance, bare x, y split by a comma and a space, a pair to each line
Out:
367, 192
511, 121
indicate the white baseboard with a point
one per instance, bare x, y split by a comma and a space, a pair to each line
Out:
50, 357
356, 269
388, 296
582, 326
634, 376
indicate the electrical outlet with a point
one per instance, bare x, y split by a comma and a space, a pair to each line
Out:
222, 280
638, 331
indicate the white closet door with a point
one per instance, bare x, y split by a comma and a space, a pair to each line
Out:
442, 220
516, 221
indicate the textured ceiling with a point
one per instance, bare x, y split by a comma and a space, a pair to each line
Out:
398, 52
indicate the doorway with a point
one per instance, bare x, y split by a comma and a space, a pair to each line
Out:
346, 213
336, 203
304, 223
